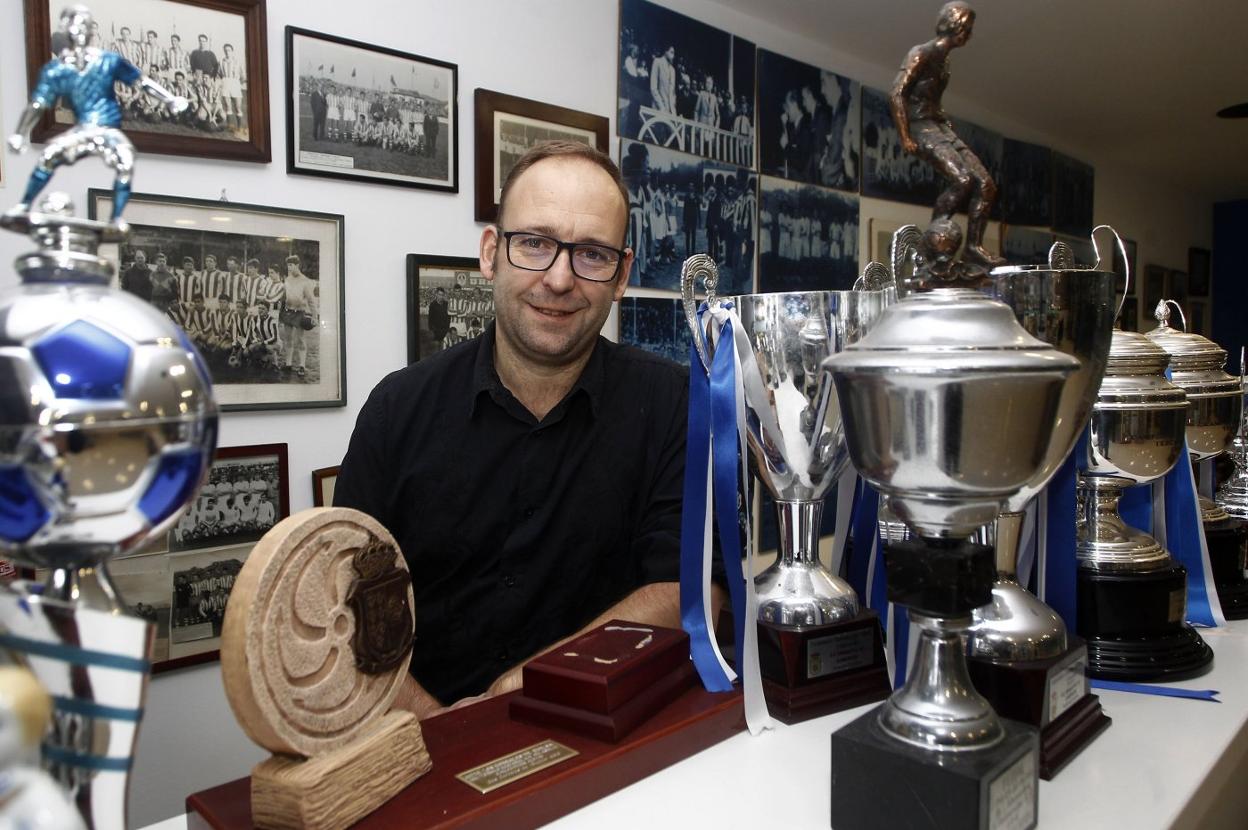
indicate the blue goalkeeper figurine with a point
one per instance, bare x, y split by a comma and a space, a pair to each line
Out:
84, 77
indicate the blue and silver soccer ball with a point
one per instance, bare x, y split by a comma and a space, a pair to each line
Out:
107, 424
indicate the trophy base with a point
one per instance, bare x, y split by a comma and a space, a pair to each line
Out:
824, 669
1228, 555
1051, 695
879, 781
1134, 628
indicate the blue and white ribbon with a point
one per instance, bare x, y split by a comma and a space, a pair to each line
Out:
717, 444
869, 578
1056, 512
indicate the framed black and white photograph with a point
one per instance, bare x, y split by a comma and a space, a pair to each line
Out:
1074, 183
1026, 246
685, 85
680, 205
323, 481
257, 289
1198, 274
1176, 287
506, 127
247, 492
214, 53
448, 301
369, 113
808, 237
888, 171
988, 146
1026, 183
1128, 277
1130, 315
1154, 289
656, 324
808, 123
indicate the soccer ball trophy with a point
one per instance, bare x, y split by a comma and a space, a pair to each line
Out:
107, 429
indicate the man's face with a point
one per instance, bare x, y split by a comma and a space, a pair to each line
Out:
552, 317
253, 271
203, 42
175, 42
808, 101
139, 257
232, 264
292, 269
670, 54
210, 263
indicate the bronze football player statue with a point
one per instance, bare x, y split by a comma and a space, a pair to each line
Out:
926, 131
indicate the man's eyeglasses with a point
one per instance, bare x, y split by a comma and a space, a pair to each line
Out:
535, 252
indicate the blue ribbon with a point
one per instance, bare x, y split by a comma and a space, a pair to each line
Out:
1210, 695
1183, 539
1136, 508
91, 709
69, 758
1060, 563
899, 633
73, 654
864, 528
692, 530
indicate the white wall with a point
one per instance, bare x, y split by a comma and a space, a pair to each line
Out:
560, 51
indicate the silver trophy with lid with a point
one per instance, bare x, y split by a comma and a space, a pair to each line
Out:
1215, 398
1233, 493
107, 429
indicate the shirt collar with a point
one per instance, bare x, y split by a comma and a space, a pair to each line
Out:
485, 376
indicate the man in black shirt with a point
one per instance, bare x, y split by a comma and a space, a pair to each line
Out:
532, 476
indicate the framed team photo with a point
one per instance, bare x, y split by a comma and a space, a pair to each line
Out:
507, 126
656, 324
448, 301
213, 53
368, 113
807, 237
1198, 271
1074, 185
888, 171
1026, 185
1027, 246
247, 492
323, 481
257, 289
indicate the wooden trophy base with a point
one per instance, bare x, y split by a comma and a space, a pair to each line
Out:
1228, 556
465, 740
607, 682
1052, 695
816, 671
337, 789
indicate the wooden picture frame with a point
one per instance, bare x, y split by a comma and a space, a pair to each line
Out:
524, 122
323, 481
386, 131
465, 293
182, 588
1198, 271
307, 366
211, 131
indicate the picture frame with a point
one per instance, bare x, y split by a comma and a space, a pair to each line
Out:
183, 588
466, 294
229, 116
1198, 273
1153, 289
506, 126
293, 356
404, 133
323, 481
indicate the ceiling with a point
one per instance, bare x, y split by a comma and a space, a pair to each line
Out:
1136, 81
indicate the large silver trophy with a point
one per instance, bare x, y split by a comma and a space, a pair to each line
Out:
107, 428
797, 443
1233, 493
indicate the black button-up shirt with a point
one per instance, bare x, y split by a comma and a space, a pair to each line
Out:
519, 532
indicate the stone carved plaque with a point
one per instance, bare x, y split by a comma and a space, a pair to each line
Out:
288, 650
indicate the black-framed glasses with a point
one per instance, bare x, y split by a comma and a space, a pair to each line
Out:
535, 252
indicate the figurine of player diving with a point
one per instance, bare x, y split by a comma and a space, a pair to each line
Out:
29, 798
83, 76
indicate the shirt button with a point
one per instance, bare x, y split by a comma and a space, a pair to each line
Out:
509, 580
528, 512
502, 655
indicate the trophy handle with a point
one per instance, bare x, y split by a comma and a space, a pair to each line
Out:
698, 265
1162, 313
905, 248
874, 277
1061, 257
1126, 264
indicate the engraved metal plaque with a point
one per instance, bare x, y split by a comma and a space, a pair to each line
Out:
1012, 796
840, 652
502, 771
1067, 686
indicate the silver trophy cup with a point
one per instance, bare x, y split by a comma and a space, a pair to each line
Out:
796, 436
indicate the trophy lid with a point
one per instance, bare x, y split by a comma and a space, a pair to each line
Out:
1189, 352
986, 338
1131, 353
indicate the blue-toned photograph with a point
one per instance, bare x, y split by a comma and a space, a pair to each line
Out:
685, 85
680, 205
989, 147
808, 123
1073, 183
656, 324
808, 237
1026, 184
1026, 246
888, 171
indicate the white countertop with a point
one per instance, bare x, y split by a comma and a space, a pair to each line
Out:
1164, 762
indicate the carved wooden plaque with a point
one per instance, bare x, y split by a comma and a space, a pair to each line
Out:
319, 585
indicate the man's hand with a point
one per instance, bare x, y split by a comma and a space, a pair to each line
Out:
18, 143
413, 698
508, 681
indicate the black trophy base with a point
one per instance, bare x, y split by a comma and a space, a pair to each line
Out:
1134, 628
1228, 555
879, 781
824, 669
1051, 695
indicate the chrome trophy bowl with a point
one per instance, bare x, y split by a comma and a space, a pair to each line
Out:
1073, 311
795, 433
948, 406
